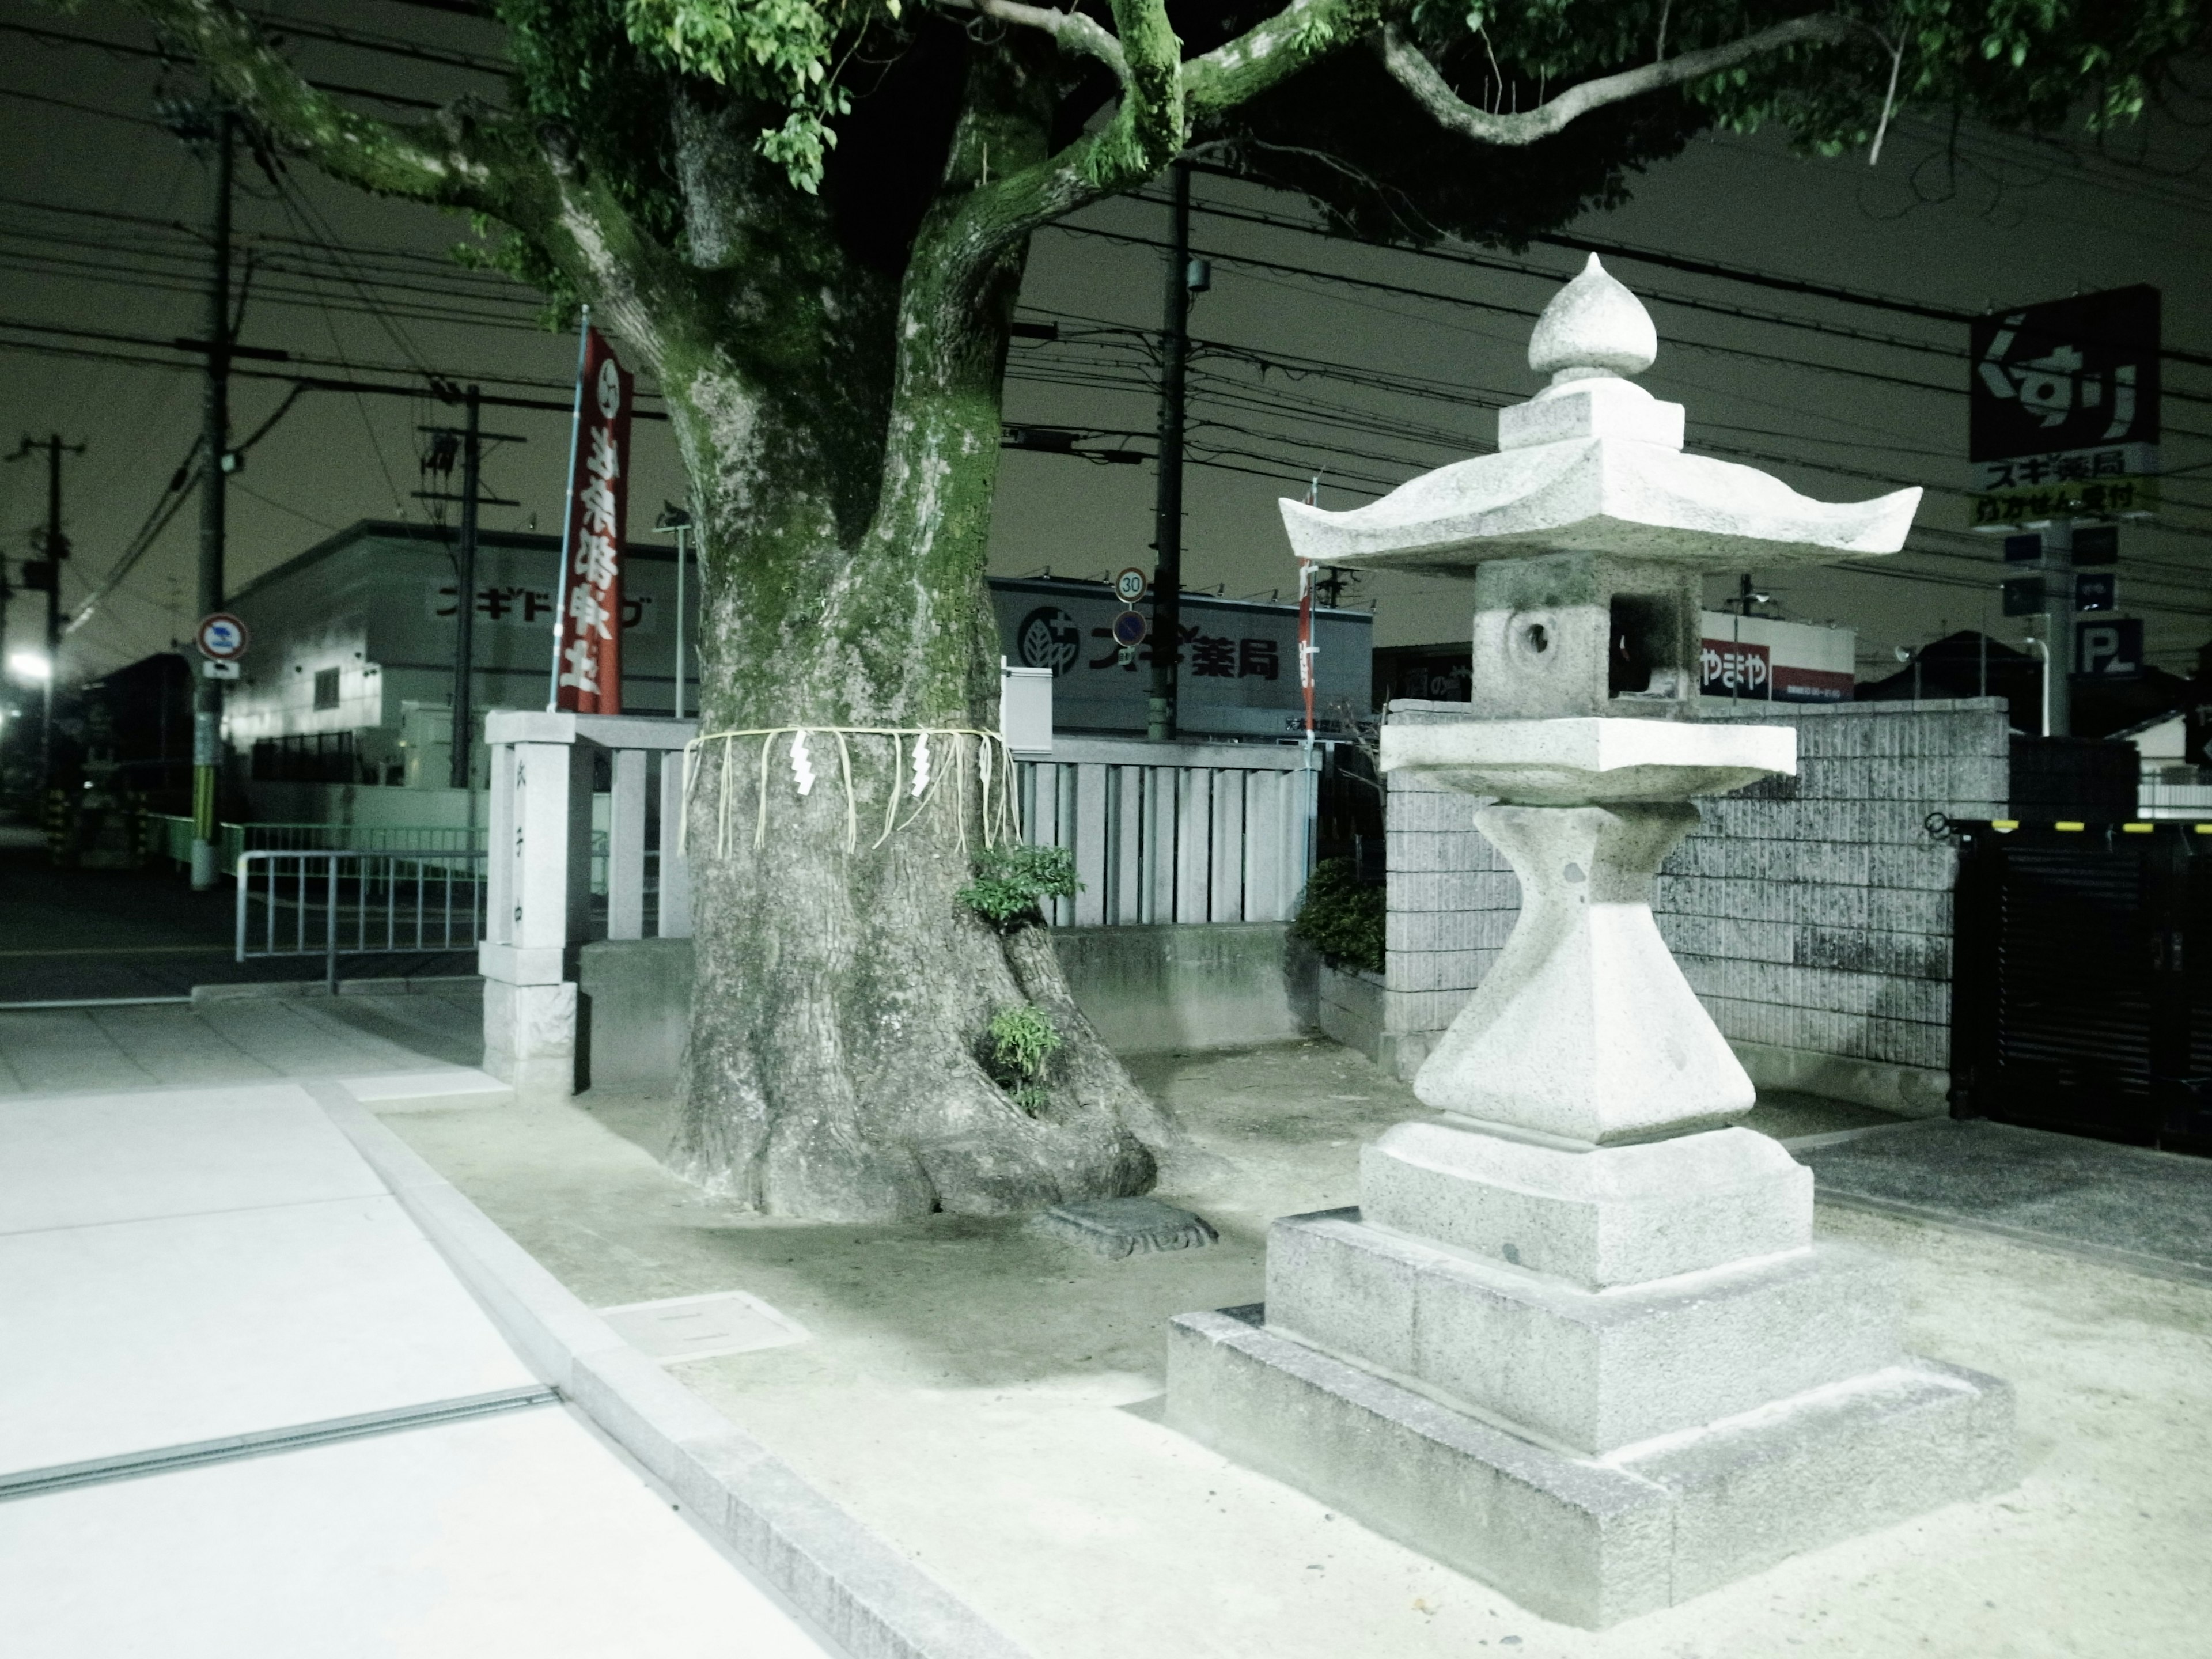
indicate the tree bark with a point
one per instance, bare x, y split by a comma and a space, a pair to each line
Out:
838, 1067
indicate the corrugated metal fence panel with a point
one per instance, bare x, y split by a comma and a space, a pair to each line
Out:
1158, 877
1126, 855
2073, 1002
1225, 876
1091, 867
2079, 1003
1222, 836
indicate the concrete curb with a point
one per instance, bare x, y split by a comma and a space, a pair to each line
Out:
872, 1600
422, 984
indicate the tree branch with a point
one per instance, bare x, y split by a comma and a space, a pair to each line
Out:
526, 174
1271, 52
432, 161
1413, 71
1072, 30
1165, 101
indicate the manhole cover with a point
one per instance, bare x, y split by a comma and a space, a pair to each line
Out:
701, 1327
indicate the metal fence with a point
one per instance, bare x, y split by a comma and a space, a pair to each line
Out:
170, 836
1175, 833
353, 901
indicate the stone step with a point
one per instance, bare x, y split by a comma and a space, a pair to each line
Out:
1589, 1541
1589, 1371
1598, 1217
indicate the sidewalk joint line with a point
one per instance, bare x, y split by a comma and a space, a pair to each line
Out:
63, 1477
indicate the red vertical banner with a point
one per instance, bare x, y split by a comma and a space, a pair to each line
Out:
588, 665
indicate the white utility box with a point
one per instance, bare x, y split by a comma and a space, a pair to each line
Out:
1025, 708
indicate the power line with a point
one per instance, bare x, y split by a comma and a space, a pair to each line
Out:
1713, 268
80, 109
1376, 285
391, 46
151, 343
119, 49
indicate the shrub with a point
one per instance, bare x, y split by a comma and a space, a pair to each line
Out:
1341, 917
1023, 1041
1012, 883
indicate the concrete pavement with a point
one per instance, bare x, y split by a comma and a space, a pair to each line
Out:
247, 1039
181, 1267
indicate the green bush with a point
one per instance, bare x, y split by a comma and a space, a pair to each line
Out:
1023, 1041
1341, 917
1012, 883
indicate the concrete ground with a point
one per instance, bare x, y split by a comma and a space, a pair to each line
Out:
185, 1265
241, 1039
989, 1400
2130, 1205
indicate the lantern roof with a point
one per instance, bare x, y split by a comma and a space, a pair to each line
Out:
1595, 463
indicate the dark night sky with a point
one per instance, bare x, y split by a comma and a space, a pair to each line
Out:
1402, 383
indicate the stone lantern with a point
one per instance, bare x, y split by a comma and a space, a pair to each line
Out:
1578, 1340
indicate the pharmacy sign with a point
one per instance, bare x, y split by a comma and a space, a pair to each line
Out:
2063, 416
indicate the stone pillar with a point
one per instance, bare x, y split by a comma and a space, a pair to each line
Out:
1584, 1027
539, 899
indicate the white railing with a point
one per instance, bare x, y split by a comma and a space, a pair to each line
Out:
330, 903
1182, 832
2156, 799
539, 873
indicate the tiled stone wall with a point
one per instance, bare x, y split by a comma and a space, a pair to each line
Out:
1811, 915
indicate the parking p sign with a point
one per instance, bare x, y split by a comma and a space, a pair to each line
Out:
2108, 650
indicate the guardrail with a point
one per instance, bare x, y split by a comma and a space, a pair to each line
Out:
334, 901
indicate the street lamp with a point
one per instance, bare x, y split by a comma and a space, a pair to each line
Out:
37, 667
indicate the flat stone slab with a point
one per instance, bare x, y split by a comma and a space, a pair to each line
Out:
1574, 762
1116, 1227
1589, 1541
1587, 1370
1617, 1215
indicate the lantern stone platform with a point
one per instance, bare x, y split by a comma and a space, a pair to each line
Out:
1577, 1340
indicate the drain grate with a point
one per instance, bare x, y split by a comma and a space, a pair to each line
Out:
684, 1328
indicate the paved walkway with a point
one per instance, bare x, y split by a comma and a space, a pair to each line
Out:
190, 1273
242, 1040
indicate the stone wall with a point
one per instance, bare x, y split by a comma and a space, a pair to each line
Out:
1811, 915
1201, 986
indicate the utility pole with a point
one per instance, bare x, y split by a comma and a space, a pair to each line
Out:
1167, 517
465, 615
2058, 629
469, 440
47, 573
215, 476
678, 520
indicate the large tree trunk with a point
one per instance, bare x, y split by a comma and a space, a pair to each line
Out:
838, 1067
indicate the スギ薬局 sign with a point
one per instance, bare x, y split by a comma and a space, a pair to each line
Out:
2063, 415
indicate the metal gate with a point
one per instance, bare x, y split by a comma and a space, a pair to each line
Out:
2081, 979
